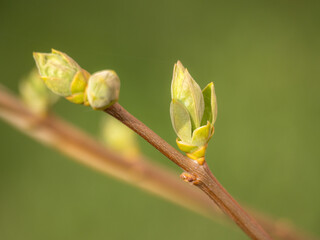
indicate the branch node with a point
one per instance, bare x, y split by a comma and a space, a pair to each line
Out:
189, 178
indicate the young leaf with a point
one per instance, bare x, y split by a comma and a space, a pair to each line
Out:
201, 135
185, 147
180, 121
210, 102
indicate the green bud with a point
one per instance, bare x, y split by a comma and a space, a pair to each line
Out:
103, 89
119, 137
62, 75
185, 90
193, 113
35, 94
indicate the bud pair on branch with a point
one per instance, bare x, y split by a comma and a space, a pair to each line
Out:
66, 78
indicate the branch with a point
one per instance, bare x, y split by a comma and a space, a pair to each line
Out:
201, 175
62, 136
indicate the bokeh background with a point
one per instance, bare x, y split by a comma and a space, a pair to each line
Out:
264, 59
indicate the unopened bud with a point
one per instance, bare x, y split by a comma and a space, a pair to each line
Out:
62, 75
119, 137
103, 89
35, 94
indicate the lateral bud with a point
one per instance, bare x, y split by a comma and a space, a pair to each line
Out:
62, 75
35, 94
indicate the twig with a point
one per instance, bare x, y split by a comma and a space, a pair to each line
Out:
71, 141
62, 136
203, 177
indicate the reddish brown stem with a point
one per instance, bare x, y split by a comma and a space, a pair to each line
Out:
205, 180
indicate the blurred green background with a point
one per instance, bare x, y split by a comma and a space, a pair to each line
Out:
264, 59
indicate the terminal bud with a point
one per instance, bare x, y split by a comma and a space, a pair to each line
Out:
103, 89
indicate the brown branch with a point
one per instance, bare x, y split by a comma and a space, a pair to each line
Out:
64, 137
71, 141
204, 179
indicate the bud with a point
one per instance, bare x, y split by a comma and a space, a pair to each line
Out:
193, 113
103, 89
35, 94
62, 75
185, 90
119, 137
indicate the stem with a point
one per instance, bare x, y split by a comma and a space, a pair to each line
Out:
205, 180
71, 141
82, 148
